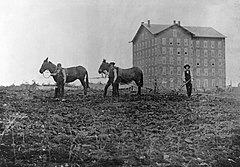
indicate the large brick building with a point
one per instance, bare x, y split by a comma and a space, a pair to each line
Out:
161, 51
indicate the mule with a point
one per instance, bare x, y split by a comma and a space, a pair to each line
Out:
124, 76
72, 73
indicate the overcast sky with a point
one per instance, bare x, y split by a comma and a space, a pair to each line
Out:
83, 32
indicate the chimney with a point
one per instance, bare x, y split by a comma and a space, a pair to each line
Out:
142, 22
178, 22
149, 23
174, 21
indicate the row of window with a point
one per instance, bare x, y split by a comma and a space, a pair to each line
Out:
179, 42
179, 61
170, 51
171, 82
179, 70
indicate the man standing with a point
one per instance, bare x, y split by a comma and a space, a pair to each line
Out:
113, 74
61, 80
187, 79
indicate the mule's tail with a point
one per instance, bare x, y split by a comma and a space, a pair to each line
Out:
141, 80
87, 82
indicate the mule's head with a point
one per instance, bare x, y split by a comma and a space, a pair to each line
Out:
104, 67
47, 65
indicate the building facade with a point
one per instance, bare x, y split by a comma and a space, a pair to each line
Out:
161, 51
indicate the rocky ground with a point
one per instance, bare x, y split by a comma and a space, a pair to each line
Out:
161, 130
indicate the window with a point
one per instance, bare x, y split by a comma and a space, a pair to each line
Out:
185, 51
205, 53
197, 44
213, 53
164, 71
205, 44
185, 60
171, 50
213, 83
156, 41
164, 82
171, 70
171, 82
178, 51
220, 53
134, 47
179, 70
191, 43
155, 50
163, 60
191, 61
198, 83
205, 72
164, 41
198, 71
220, 72
191, 52
164, 50
197, 62
220, 82
205, 83
197, 52
179, 82
170, 41
219, 44
142, 36
178, 41
174, 33
205, 62
220, 62
171, 60
185, 42
213, 72
213, 62
178, 60
212, 44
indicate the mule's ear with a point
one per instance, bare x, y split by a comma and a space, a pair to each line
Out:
104, 61
46, 59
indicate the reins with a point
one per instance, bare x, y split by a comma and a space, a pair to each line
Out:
98, 77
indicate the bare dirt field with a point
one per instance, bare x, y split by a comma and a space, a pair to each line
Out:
165, 129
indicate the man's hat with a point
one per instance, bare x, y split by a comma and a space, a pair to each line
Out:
112, 63
187, 65
59, 65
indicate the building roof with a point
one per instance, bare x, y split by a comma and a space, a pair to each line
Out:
196, 31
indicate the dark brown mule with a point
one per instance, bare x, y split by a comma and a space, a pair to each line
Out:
124, 76
72, 73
